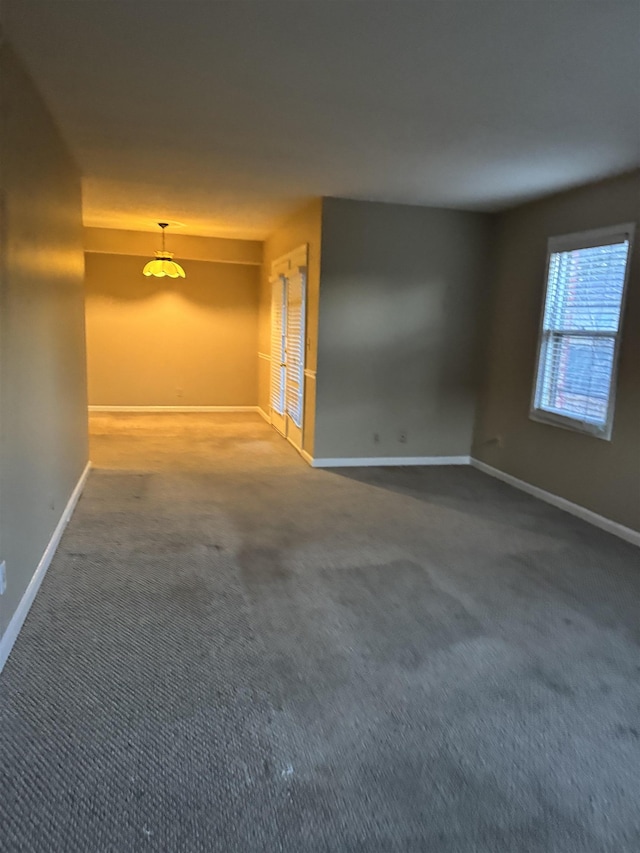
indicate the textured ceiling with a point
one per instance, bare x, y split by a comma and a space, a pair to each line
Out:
224, 115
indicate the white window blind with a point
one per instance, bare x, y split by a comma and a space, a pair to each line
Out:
580, 330
278, 314
295, 344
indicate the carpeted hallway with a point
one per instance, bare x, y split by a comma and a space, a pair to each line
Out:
234, 652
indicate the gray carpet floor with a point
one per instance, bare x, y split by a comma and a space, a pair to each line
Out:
234, 652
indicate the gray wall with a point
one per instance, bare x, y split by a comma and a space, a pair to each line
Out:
400, 292
43, 416
599, 475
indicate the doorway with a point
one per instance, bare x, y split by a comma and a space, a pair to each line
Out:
288, 314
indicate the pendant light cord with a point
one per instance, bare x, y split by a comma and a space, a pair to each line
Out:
163, 225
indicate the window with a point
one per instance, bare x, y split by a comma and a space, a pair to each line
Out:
580, 332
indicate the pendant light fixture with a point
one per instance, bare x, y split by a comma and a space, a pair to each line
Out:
163, 264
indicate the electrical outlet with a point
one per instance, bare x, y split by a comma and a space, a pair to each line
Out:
3, 577
402, 437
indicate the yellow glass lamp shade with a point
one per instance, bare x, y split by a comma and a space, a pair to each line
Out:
164, 265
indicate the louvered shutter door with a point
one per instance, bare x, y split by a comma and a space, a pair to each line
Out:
580, 329
277, 343
295, 344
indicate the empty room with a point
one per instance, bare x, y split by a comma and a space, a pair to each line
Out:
319, 426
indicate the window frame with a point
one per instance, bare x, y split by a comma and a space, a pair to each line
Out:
567, 243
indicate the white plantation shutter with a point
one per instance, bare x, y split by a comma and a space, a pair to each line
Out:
278, 309
295, 339
580, 330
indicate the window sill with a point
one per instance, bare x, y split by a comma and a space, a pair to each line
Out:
551, 419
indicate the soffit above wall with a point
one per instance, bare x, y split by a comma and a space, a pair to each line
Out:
220, 250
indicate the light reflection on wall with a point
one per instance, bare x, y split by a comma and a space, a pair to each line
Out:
171, 342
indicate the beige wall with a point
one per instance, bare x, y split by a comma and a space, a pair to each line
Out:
400, 296
43, 415
171, 342
304, 226
603, 476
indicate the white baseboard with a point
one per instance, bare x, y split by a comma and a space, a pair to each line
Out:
263, 414
626, 533
170, 409
386, 461
306, 456
17, 620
